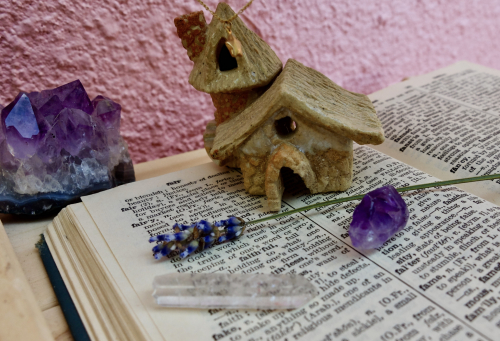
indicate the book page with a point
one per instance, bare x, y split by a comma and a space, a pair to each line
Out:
446, 123
438, 279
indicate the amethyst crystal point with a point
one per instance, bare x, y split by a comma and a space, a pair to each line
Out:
56, 145
108, 112
23, 118
21, 128
381, 214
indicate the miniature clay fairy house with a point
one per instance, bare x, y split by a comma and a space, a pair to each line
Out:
267, 119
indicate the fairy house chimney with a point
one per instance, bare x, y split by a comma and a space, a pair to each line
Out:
192, 29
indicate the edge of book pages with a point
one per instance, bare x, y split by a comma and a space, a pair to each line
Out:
94, 298
104, 297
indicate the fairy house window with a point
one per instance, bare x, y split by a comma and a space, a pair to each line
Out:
268, 119
225, 61
285, 126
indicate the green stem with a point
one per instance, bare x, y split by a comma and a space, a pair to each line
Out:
359, 197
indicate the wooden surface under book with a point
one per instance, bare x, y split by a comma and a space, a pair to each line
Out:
28, 306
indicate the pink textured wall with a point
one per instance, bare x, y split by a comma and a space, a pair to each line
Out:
128, 50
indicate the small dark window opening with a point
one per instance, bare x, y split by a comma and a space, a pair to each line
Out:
285, 126
224, 59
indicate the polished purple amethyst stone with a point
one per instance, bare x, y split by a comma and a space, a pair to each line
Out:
380, 215
57, 145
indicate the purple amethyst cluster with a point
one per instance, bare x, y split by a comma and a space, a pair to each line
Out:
57, 145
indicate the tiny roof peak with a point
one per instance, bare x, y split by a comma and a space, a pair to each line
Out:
224, 11
257, 67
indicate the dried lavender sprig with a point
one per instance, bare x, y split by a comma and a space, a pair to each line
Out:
198, 236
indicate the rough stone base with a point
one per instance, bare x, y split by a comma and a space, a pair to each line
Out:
326, 171
333, 170
254, 173
322, 172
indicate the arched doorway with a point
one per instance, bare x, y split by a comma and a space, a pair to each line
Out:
286, 155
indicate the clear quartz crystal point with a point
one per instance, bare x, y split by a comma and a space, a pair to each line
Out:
234, 291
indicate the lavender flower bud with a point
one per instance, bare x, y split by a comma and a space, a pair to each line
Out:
189, 249
163, 249
231, 233
231, 221
158, 247
223, 239
179, 236
204, 227
233, 229
209, 240
182, 227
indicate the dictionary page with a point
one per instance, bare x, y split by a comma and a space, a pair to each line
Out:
446, 123
438, 279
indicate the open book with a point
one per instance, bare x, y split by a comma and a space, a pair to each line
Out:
438, 279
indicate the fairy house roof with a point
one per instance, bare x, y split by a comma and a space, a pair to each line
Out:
258, 65
310, 94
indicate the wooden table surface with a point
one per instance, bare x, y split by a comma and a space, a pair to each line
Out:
35, 314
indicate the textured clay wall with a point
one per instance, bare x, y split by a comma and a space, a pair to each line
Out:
128, 50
